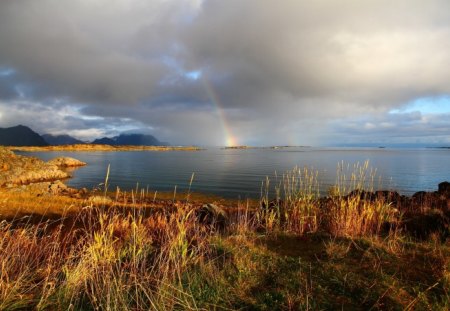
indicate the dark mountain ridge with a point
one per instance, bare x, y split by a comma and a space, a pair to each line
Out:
58, 140
20, 135
24, 136
130, 140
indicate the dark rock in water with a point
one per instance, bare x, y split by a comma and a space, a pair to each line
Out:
420, 195
444, 187
432, 200
423, 199
393, 198
212, 214
362, 194
388, 196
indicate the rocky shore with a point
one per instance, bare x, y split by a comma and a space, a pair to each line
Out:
17, 170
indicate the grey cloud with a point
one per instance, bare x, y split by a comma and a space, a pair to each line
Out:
426, 129
282, 71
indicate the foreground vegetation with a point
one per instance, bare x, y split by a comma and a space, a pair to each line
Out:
296, 251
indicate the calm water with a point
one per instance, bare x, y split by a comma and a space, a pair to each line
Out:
239, 173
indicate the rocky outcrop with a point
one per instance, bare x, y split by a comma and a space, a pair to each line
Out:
21, 170
66, 162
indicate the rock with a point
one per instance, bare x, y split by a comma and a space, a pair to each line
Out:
212, 214
420, 196
362, 194
66, 162
444, 188
20, 170
388, 196
57, 187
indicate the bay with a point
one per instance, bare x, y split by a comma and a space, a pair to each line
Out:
238, 173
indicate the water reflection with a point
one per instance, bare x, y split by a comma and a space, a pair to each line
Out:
234, 173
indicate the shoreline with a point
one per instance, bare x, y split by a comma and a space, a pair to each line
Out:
90, 147
33, 171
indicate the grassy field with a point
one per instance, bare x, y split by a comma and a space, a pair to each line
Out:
148, 251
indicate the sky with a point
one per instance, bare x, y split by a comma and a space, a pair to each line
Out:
216, 72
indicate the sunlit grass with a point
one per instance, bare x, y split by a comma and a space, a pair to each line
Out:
142, 250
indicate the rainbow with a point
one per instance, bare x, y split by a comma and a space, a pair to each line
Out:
230, 139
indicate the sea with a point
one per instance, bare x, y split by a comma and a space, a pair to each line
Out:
242, 173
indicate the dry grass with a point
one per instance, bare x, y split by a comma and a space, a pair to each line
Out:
18, 204
130, 251
298, 207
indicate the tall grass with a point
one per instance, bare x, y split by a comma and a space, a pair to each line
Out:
353, 211
109, 261
108, 258
294, 208
350, 210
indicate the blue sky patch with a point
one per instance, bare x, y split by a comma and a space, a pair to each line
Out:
427, 105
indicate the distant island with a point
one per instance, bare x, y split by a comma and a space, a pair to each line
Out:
263, 147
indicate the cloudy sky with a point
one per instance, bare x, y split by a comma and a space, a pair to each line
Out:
218, 72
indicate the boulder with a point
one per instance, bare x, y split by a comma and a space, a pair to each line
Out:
66, 162
57, 187
212, 214
362, 194
444, 188
388, 196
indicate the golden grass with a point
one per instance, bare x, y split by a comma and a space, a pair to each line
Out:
149, 251
17, 204
298, 207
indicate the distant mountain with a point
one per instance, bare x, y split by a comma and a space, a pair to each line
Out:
104, 141
130, 140
20, 136
57, 140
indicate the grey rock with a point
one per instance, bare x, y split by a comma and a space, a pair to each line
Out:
213, 215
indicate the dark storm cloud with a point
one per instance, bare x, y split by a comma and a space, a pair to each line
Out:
282, 71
